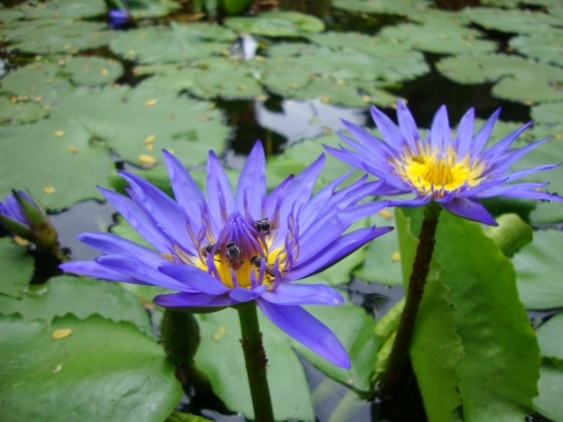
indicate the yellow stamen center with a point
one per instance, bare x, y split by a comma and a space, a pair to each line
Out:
432, 171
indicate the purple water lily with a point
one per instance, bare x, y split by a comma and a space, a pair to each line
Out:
228, 249
454, 171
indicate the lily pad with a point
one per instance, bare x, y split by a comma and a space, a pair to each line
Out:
92, 70
55, 37
518, 79
139, 9
175, 44
538, 266
62, 9
549, 337
13, 111
277, 24
41, 81
390, 7
550, 385
439, 37
81, 297
511, 20
544, 46
16, 267
93, 369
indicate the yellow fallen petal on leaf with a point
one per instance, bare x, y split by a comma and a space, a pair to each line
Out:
218, 335
396, 256
150, 103
386, 214
49, 189
59, 133
149, 139
61, 333
71, 149
147, 161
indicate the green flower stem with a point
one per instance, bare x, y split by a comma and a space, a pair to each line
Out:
398, 359
256, 362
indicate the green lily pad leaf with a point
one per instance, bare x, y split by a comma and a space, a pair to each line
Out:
103, 370
62, 9
338, 403
520, 79
80, 296
436, 351
331, 92
547, 121
442, 37
13, 111
277, 24
501, 365
388, 7
16, 267
55, 37
550, 385
549, 337
41, 81
514, 20
544, 46
138, 123
355, 330
178, 416
538, 266
52, 150
139, 9
174, 44
220, 356
216, 77
382, 263
92, 70
10, 15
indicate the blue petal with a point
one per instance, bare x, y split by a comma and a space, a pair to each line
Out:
307, 330
464, 135
440, 131
138, 219
93, 269
470, 209
240, 294
220, 199
251, 187
139, 271
482, 136
303, 294
193, 300
194, 277
407, 125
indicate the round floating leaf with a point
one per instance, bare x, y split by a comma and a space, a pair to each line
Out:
391, 7
13, 111
63, 163
513, 20
92, 70
10, 15
544, 46
62, 9
41, 81
438, 37
550, 339
520, 79
16, 267
150, 8
81, 297
277, 24
383, 259
103, 370
174, 44
550, 385
138, 123
331, 92
547, 120
538, 266
57, 37
220, 357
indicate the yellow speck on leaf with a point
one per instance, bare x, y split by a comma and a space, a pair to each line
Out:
150, 103
37, 98
58, 369
61, 333
104, 71
147, 161
71, 149
20, 241
218, 335
149, 139
396, 256
204, 118
59, 133
49, 189
386, 214
324, 99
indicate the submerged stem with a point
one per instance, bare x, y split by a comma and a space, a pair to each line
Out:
256, 362
399, 356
